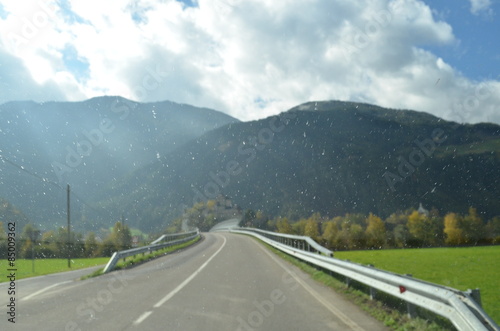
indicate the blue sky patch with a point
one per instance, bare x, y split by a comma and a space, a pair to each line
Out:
74, 63
477, 54
69, 15
189, 3
3, 13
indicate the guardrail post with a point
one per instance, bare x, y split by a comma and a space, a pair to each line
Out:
373, 292
476, 295
411, 308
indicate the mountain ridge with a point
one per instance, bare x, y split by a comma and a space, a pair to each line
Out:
332, 161
87, 144
331, 157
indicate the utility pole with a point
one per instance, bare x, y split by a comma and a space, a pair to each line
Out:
69, 229
33, 236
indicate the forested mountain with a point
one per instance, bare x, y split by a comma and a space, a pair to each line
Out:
327, 157
89, 144
147, 163
11, 214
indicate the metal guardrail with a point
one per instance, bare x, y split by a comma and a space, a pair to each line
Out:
300, 242
172, 236
154, 246
458, 307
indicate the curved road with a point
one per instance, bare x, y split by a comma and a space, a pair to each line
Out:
226, 282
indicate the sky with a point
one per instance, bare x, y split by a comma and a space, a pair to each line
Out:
256, 58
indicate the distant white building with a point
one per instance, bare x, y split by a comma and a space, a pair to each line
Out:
422, 210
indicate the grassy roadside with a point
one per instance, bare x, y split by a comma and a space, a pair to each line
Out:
462, 268
50, 266
458, 267
391, 313
139, 259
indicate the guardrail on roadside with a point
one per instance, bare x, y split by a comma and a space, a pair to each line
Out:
299, 242
457, 306
154, 246
172, 236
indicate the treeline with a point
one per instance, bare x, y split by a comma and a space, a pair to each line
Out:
32, 242
204, 215
400, 230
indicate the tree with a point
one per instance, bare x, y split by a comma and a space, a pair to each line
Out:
30, 232
29, 235
261, 220
396, 225
452, 229
91, 245
299, 227
106, 248
422, 229
311, 228
282, 226
375, 232
493, 230
401, 235
330, 232
357, 237
351, 235
121, 236
435, 230
416, 227
248, 217
473, 228
211, 205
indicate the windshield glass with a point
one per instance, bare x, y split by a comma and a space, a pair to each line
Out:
149, 130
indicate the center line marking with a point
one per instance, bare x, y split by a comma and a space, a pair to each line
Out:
189, 279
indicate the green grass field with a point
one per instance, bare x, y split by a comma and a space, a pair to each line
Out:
460, 268
50, 266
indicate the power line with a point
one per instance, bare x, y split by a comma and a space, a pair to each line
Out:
46, 180
43, 179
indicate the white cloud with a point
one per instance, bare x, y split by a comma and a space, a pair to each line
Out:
17, 83
477, 6
250, 58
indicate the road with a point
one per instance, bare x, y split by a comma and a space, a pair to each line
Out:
225, 282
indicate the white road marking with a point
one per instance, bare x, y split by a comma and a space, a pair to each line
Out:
349, 322
190, 278
43, 290
142, 318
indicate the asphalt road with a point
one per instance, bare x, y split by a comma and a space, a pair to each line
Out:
225, 282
